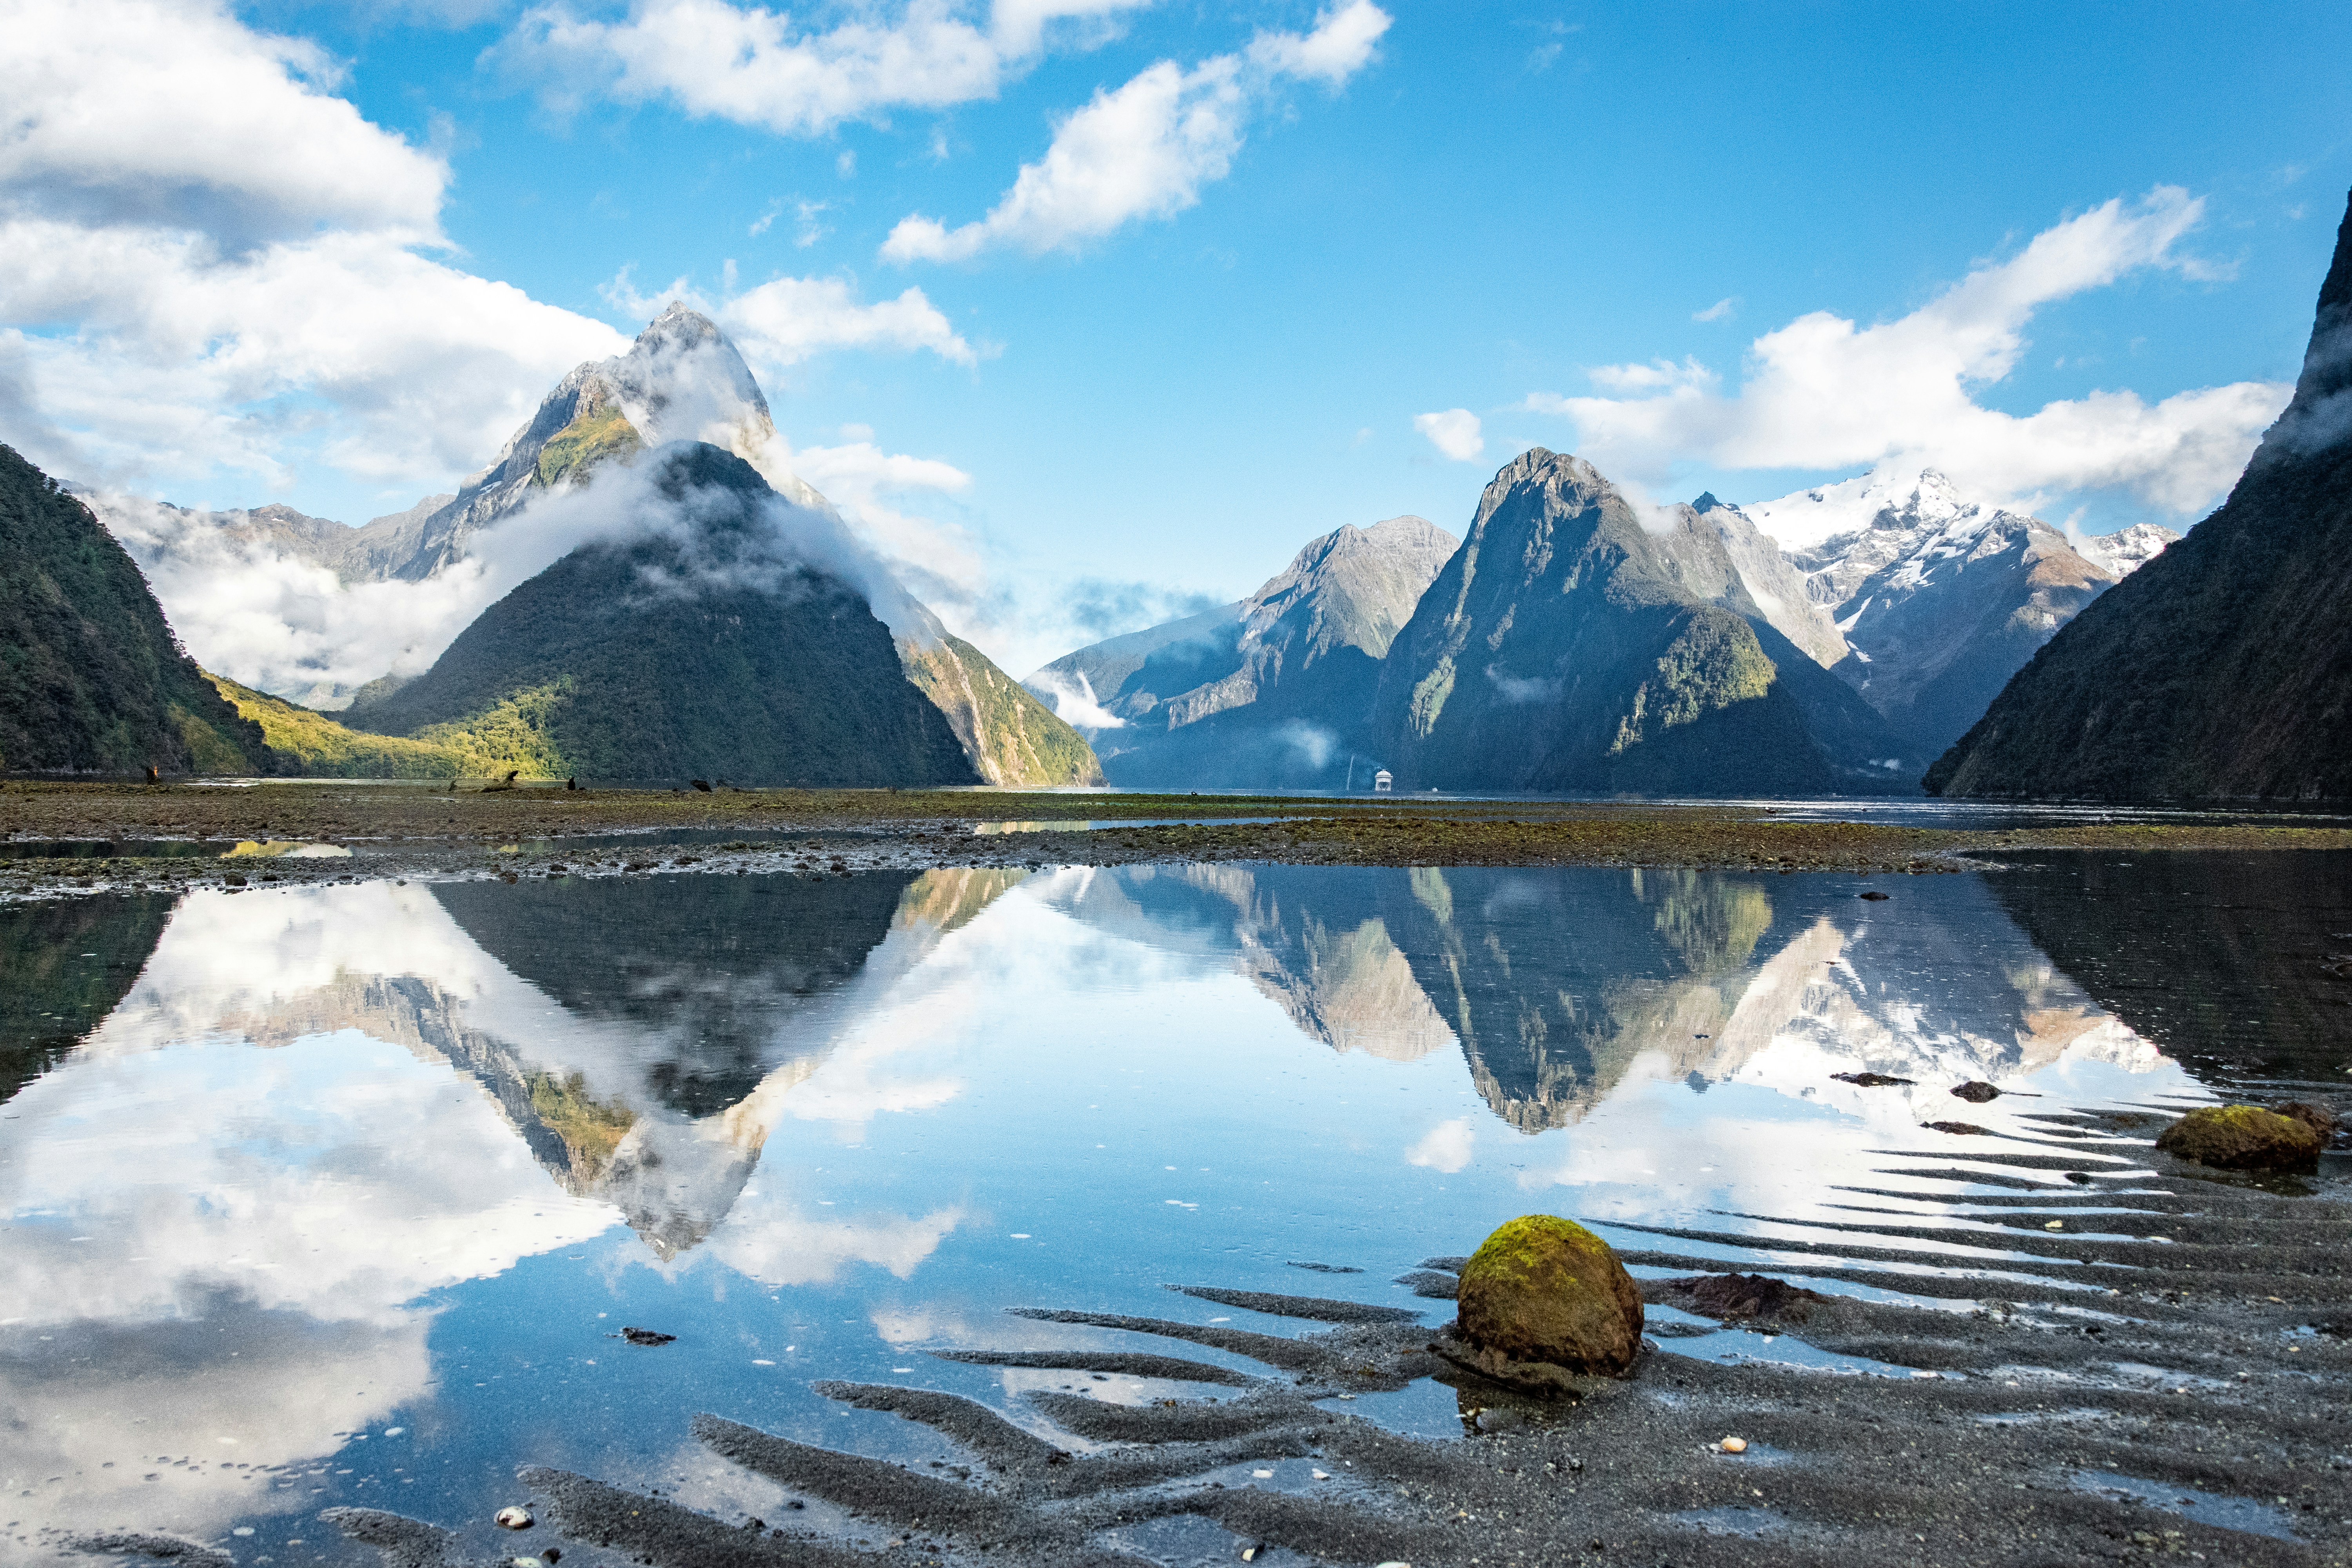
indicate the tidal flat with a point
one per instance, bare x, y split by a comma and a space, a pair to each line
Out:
905, 1179
56, 837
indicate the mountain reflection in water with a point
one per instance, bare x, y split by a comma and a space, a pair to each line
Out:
274, 1162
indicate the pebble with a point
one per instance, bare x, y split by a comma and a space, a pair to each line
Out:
2055, 1224
1320, 1475
514, 1518
1734, 1445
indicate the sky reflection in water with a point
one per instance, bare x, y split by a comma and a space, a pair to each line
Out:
343, 1160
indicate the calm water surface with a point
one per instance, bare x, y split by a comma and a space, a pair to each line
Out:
342, 1194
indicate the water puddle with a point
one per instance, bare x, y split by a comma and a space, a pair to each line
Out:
2245, 1514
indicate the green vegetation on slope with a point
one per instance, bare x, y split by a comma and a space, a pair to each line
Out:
1012, 738
707, 655
515, 731
1714, 661
91, 678
592, 436
311, 743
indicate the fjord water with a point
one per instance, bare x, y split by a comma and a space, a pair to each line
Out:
343, 1194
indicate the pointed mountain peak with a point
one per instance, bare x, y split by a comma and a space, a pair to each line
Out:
1706, 503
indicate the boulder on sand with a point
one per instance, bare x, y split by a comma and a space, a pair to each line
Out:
1544, 1299
2243, 1138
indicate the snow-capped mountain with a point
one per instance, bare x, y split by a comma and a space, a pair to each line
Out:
1940, 599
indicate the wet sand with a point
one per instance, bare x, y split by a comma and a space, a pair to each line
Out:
2106, 1398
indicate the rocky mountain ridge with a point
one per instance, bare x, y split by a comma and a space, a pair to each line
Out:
1940, 599
1275, 689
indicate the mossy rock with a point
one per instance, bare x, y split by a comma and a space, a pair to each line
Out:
2243, 1138
1546, 1290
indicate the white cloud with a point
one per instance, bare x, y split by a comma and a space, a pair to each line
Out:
207, 265
210, 273
1719, 311
787, 320
1145, 149
1073, 700
142, 112
752, 65
1455, 432
1658, 376
1446, 1147
1341, 46
1824, 393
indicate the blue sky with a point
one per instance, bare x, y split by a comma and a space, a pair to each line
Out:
1091, 417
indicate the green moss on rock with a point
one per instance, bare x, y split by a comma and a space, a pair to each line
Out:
2243, 1138
1544, 1289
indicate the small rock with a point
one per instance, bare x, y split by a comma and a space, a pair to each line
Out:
1547, 1290
2243, 1138
514, 1518
646, 1336
1976, 1092
1870, 1080
1961, 1129
1874, 895
2080, 1178
1734, 1445
2054, 1225
1730, 1296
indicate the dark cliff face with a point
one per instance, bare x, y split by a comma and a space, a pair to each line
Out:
1566, 647
696, 648
2221, 670
91, 678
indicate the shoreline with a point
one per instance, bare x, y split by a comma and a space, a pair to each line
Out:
178, 835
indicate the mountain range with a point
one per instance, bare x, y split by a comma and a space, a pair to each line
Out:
2222, 668
1834, 640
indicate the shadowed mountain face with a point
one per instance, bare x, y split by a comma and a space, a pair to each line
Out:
705, 646
2222, 668
2222, 961
91, 678
1568, 647
1277, 692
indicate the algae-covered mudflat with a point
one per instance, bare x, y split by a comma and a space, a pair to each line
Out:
60, 836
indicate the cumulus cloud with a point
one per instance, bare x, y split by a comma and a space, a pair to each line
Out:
1145, 149
1826, 393
755, 67
216, 272
140, 111
1455, 432
207, 261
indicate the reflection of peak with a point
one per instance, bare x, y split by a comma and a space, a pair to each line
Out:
1349, 987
